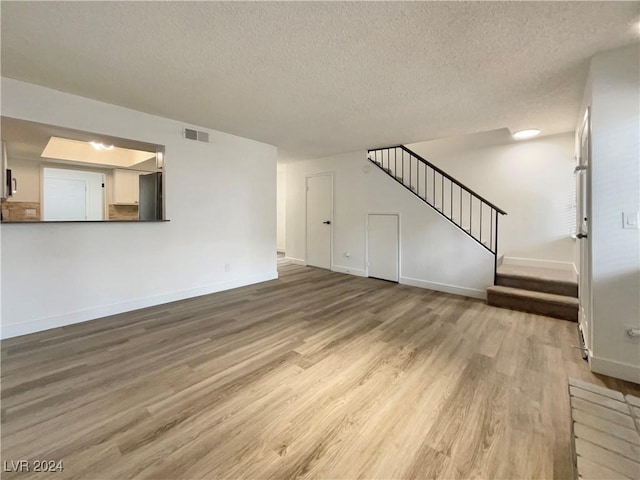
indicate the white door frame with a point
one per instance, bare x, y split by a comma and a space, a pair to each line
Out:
366, 241
306, 206
584, 247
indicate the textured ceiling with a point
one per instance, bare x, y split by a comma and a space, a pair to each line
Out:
327, 77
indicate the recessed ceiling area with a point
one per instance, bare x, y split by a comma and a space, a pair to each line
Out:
33, 141
79, 151
317, 78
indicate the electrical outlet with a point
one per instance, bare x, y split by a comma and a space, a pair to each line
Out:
227, 267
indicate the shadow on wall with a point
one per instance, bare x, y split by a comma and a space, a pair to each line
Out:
520, 231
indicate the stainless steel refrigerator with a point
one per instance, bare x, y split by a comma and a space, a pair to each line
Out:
150, 201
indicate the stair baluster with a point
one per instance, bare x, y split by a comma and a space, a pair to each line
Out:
490, 222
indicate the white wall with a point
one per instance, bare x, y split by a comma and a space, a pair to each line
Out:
434, 253
281, 207
532, 181
220, 198
614, 95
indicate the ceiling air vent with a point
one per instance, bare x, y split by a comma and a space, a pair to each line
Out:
191, 134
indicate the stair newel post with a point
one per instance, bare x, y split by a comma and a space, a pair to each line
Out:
495, 254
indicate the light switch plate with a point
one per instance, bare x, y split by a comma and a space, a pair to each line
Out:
630, 220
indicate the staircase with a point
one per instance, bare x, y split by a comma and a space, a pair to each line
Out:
534, 290
542, 291
464, 208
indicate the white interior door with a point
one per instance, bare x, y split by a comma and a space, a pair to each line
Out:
383, 246
65, 199
583, 212
72, 194
319, 220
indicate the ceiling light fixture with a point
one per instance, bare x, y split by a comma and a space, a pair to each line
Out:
101, 146
524, 134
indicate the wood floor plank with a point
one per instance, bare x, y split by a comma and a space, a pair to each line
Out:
594, 471
605, 413
600, 400
608, 458
607, 441
629, 434
597, 389
314, 375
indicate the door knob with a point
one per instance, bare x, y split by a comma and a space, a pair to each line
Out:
581, 235
328, 222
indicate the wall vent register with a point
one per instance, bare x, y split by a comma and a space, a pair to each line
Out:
198, 136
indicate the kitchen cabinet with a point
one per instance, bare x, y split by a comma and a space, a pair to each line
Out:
125, 187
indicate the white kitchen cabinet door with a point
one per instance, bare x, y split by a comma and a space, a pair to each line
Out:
125, 187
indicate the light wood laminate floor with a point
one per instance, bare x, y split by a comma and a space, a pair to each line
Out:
314, 375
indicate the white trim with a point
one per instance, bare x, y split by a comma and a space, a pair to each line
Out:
296, 261
306, 191
583, 212
443, 287
348, 270
534, 262
624, 371
46, 323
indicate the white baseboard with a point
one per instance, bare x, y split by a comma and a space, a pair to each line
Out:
296, 261
534, 262
349, 270
623, 371
46, 323
443, 287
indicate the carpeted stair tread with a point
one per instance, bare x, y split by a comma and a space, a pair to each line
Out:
538, 273
545, 280
533, 295
533, 277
